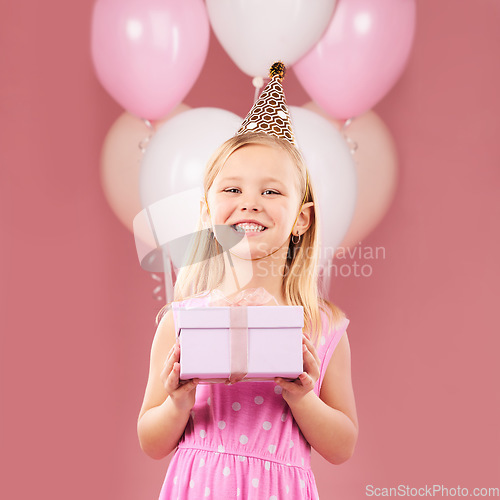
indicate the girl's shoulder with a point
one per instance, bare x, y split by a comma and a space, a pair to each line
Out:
334, 326
333, 320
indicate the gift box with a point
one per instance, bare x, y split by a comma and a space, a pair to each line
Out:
240, 343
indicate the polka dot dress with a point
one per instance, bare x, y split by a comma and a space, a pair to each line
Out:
241, 441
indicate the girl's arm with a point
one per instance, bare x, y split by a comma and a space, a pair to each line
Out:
328, 422
167, 402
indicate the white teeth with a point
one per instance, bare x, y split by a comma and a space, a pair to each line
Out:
245, 226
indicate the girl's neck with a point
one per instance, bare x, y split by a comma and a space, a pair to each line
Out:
266, 272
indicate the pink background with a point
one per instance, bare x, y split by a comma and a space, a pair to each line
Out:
77, 314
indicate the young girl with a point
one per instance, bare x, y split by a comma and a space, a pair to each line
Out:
252, 439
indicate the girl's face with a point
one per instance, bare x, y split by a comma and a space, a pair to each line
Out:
257, 194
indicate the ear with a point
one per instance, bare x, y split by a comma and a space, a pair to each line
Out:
204, 217
305, 218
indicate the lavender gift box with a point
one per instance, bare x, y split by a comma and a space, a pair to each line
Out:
246, 343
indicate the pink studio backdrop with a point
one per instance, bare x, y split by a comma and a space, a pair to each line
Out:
77, 313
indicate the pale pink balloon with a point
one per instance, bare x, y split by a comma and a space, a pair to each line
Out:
360, 57
376, 165
148, 53
121, 157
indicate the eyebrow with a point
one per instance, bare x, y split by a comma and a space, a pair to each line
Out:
265, 180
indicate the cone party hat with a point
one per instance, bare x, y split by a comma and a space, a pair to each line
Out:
270, 113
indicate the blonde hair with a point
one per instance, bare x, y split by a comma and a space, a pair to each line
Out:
205, 265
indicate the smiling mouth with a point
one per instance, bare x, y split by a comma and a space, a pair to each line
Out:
247, 227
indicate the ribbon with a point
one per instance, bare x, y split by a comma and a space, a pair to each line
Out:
238, 339
238, 325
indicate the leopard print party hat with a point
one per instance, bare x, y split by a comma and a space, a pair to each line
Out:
270, 113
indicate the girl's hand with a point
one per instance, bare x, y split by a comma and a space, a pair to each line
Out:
182, 393
295, 390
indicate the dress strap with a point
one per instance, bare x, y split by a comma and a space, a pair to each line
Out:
328, 342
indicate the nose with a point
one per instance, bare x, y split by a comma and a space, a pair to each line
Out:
250, 203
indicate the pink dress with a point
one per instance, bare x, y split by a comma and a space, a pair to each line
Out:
241, 441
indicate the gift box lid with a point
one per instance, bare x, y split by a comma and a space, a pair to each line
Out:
258, 317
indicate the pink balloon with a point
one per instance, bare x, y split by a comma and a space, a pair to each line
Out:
376, 164
148, 53
121, 158
361, 55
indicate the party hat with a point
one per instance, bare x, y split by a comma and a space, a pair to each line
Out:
270, 113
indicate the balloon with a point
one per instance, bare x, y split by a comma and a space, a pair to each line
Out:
360, 57
376, 165
257, 33
120, 161
176, 157
148, 53
333, 176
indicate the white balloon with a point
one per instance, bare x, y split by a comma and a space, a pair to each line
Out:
257, 33
180, 149
333, 176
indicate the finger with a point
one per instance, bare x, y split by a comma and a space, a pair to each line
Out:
307, 355
306, 380
189, 385
303, 383
176, 352
311, 348
168, 366
173, 356
169, 357
307, 341
306, 334
297, 386
311, 361
172, 382
310, 364
288, 385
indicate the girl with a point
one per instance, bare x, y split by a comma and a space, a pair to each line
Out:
251, 440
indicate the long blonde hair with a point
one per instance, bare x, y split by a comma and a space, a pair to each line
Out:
205, 264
